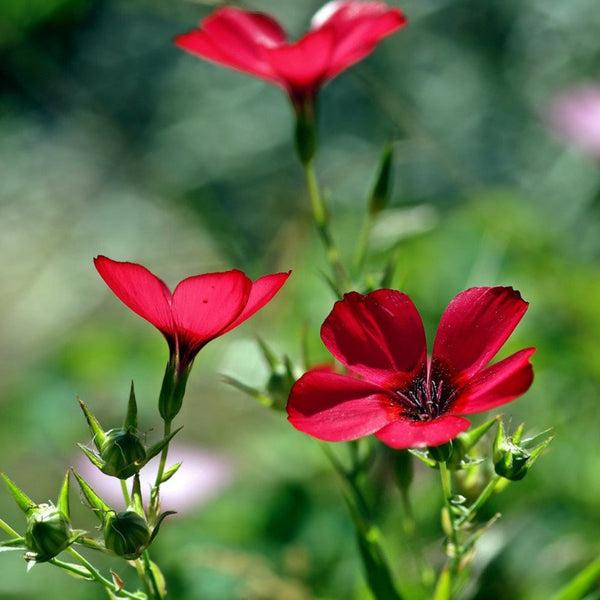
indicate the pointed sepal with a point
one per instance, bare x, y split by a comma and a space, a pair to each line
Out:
96, 430
96, 503
25, 503
131, 420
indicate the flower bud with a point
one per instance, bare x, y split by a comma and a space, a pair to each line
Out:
123, 453
48, 532
513, 458
126, 534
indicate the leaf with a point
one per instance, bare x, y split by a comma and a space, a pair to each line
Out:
581, 583
443, 589
156, 448
170, 472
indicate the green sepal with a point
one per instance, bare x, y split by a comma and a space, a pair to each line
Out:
380, 194
170, 472
63, 497
97, 432
96, 503
136, 497
424, 457
172, 390
158, 523
95, 459
157, 448
131, 420
25, 503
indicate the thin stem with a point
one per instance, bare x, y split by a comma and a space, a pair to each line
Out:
455, 551
426, 573
125, 491
363, 242
95, 574
321, 219
481, 500
377, 570
163, 457
8, 529
156, 591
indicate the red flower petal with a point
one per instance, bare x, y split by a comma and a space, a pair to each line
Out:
263, 290
475, 326
337, 408
379, 336
237, 39
359, 27
417, 434
498, 384
143, 292
204, 305
304, 65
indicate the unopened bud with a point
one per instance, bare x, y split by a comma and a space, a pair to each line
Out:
126, 534
123, 453
48, 532
513, 457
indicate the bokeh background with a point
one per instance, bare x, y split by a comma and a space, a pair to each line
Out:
113, 141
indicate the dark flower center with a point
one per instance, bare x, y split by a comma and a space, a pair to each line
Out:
425, 400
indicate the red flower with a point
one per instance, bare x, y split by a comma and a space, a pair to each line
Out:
341, 33
397, 393
200, 309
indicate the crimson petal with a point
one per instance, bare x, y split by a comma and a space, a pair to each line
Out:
263, 290
204, 305
379, 336
139, 289
475, 326
418, 434
337, 408
500, 383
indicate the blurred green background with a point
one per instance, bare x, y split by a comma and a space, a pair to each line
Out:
113, 141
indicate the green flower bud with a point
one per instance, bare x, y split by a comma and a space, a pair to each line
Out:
513, 457
126, 534
123, 453
48, 532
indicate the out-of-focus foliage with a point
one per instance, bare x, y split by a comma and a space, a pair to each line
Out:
113, 141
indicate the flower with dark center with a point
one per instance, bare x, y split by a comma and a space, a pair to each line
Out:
393, 390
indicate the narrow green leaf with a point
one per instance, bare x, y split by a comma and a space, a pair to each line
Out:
443, 589
159, 522
377, 572
581, 583
63, 498
16, 544
170, 472
95, 429
24, 502
156, 448
136, 497
131, 420
96, 503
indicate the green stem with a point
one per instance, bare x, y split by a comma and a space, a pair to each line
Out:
426, 573
94, 574
378, 573
455, 551
481, 500
321, 220
8, 529
125, 491
363, 242
163, 457
156, 592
